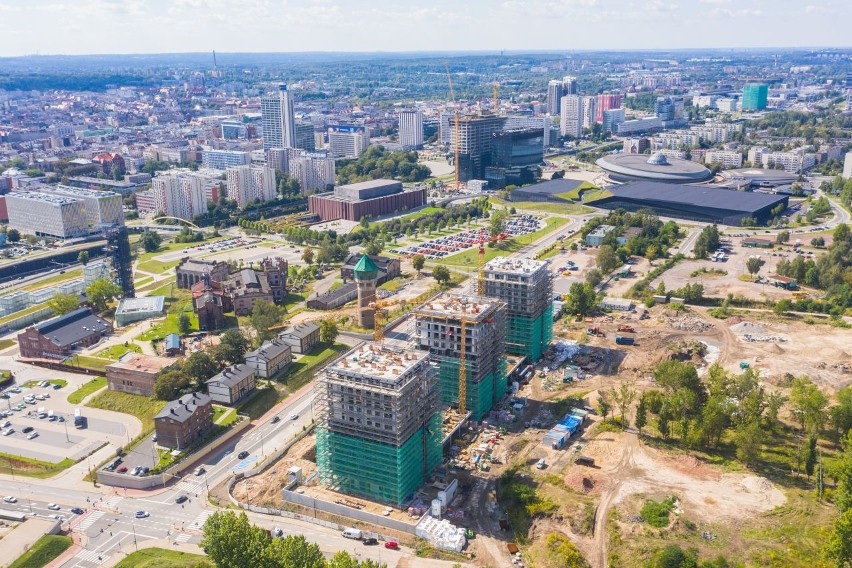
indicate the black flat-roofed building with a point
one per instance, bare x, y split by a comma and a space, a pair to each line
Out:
694, 202
552, 190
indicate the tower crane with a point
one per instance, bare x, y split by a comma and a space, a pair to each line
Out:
456, 128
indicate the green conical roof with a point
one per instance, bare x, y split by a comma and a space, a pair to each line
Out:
366, 269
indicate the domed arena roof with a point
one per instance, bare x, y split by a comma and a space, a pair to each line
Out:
657, 167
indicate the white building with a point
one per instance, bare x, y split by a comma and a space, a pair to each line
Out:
704, 101
102, 207
590, 111
44, 214
347, 144
410, 129
224, 159
571, 116
249, 183
728, 105
847, 166
639, 125
314, 171
612, 118
727, 158
545, 123
181, 194
795, 161
278, 119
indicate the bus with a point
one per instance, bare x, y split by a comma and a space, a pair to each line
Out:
78, 418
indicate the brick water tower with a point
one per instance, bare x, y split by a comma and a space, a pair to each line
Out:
366, 273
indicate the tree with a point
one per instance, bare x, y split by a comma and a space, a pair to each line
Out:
839, 545
233, 345
13, 235
753, 265
293, 551
231, 541
328, 331
818, 242
748, 439
63, 303
606, 259
623, 397
641, 419
101, 291
783, 237
594, 277
604, 405
169, 383
199, 367
264, 315
841, 470
374, 247
674, 556
497, 224
809, 404
811, 459
151, 240
441, 274
782, 306
418, 261
83, 257
184, 323
308, 256
581, 298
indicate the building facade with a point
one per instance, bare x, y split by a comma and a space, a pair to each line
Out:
135, 373
301, 337
183, 421
270, 358
42, 214
410, 129
571, 116
232, 385
476, 138
58, 337
190, 271
754, 96
373, 198
278, 119
102, 207
224, 159
247, 184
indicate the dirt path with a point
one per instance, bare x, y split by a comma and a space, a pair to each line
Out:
619, 473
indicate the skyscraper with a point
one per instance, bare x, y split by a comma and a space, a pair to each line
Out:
590, 113
278, 119
571, 116
754, 96
554, 96
410, 129
607, 101
250, 183
569, 86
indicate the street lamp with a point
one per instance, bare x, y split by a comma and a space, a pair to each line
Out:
67, 439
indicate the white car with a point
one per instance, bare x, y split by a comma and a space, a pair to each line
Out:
294, 416
5, 424
8, 431
32, 435
199, 471
10, 499
53, 506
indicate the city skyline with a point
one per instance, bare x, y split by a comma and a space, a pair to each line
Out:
157, 26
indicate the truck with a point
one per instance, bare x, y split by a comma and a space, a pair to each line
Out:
78, 418
626, 328
625, 340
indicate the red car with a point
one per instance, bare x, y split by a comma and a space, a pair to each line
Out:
392, 544
122, 469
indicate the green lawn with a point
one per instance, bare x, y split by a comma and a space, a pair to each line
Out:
163, 558
43, 551
394, 284
27, 311
60, 382
156, 266
73, 274
94, 385
302, 371
223, 415
470, 257
544, 207
86, 362
335, 285
142, 407
260, 403
6, 343
595, 194
143, 281
428, 210
178, 301
115, 352
32, 467
576, 194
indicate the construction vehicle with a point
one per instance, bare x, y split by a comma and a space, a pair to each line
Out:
744, 365
626, 329
625, 340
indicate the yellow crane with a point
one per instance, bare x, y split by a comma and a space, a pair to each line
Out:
463, 368
456, 129
378, 319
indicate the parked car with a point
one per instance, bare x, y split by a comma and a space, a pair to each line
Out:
277, 533
122, 469
10, 499
370, 541
32, 435
392, 544
8, 431
142, 514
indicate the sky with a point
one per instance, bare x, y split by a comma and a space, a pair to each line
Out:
163, 26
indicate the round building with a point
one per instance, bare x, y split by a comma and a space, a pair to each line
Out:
657, 167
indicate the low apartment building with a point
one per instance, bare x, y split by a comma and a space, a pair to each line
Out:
135, 373
301, 337
270, 358
232, 385
183, 421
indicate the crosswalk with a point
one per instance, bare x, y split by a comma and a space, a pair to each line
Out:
183, 537
189, 485
90, 519
199, 521
113, 501
90, 556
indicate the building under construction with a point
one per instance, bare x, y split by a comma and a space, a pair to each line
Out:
469, 328
379, 428
526, 286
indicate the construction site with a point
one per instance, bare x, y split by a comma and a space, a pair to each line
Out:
378, 427
526, 286
465, 338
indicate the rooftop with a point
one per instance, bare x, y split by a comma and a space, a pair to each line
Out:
45, 197
378, 361
701, 196
141, 363
456, 306
514, 265
657, 167
136, 305
183, 408
79, 192
300, 329
232, 375
73, 326
269, 349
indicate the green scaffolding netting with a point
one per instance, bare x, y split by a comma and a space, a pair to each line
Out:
529, 336
481, 395
376, 471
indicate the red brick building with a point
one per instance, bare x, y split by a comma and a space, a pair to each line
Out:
109, 161
373, 198
183, 421
57, 337
135, 374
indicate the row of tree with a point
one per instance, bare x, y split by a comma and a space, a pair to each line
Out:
377, 162
831, 272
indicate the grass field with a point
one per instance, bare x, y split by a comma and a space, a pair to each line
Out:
595, 194
72, 274
394, 284
142, 407
302, 371
470, 257
558, 208
115, 352
576, 194
163, 558
85, 362
178, 301
428, 210
31, 467
156, 266
94, 385
60, 382
43, 551
260, 403
143, 281
6, 343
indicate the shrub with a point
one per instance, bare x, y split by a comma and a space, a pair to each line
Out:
656, 513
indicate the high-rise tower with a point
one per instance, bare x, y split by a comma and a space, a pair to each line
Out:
278, 119
366, 274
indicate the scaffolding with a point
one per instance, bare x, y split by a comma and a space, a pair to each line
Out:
526, 286
378, 428
438, 330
